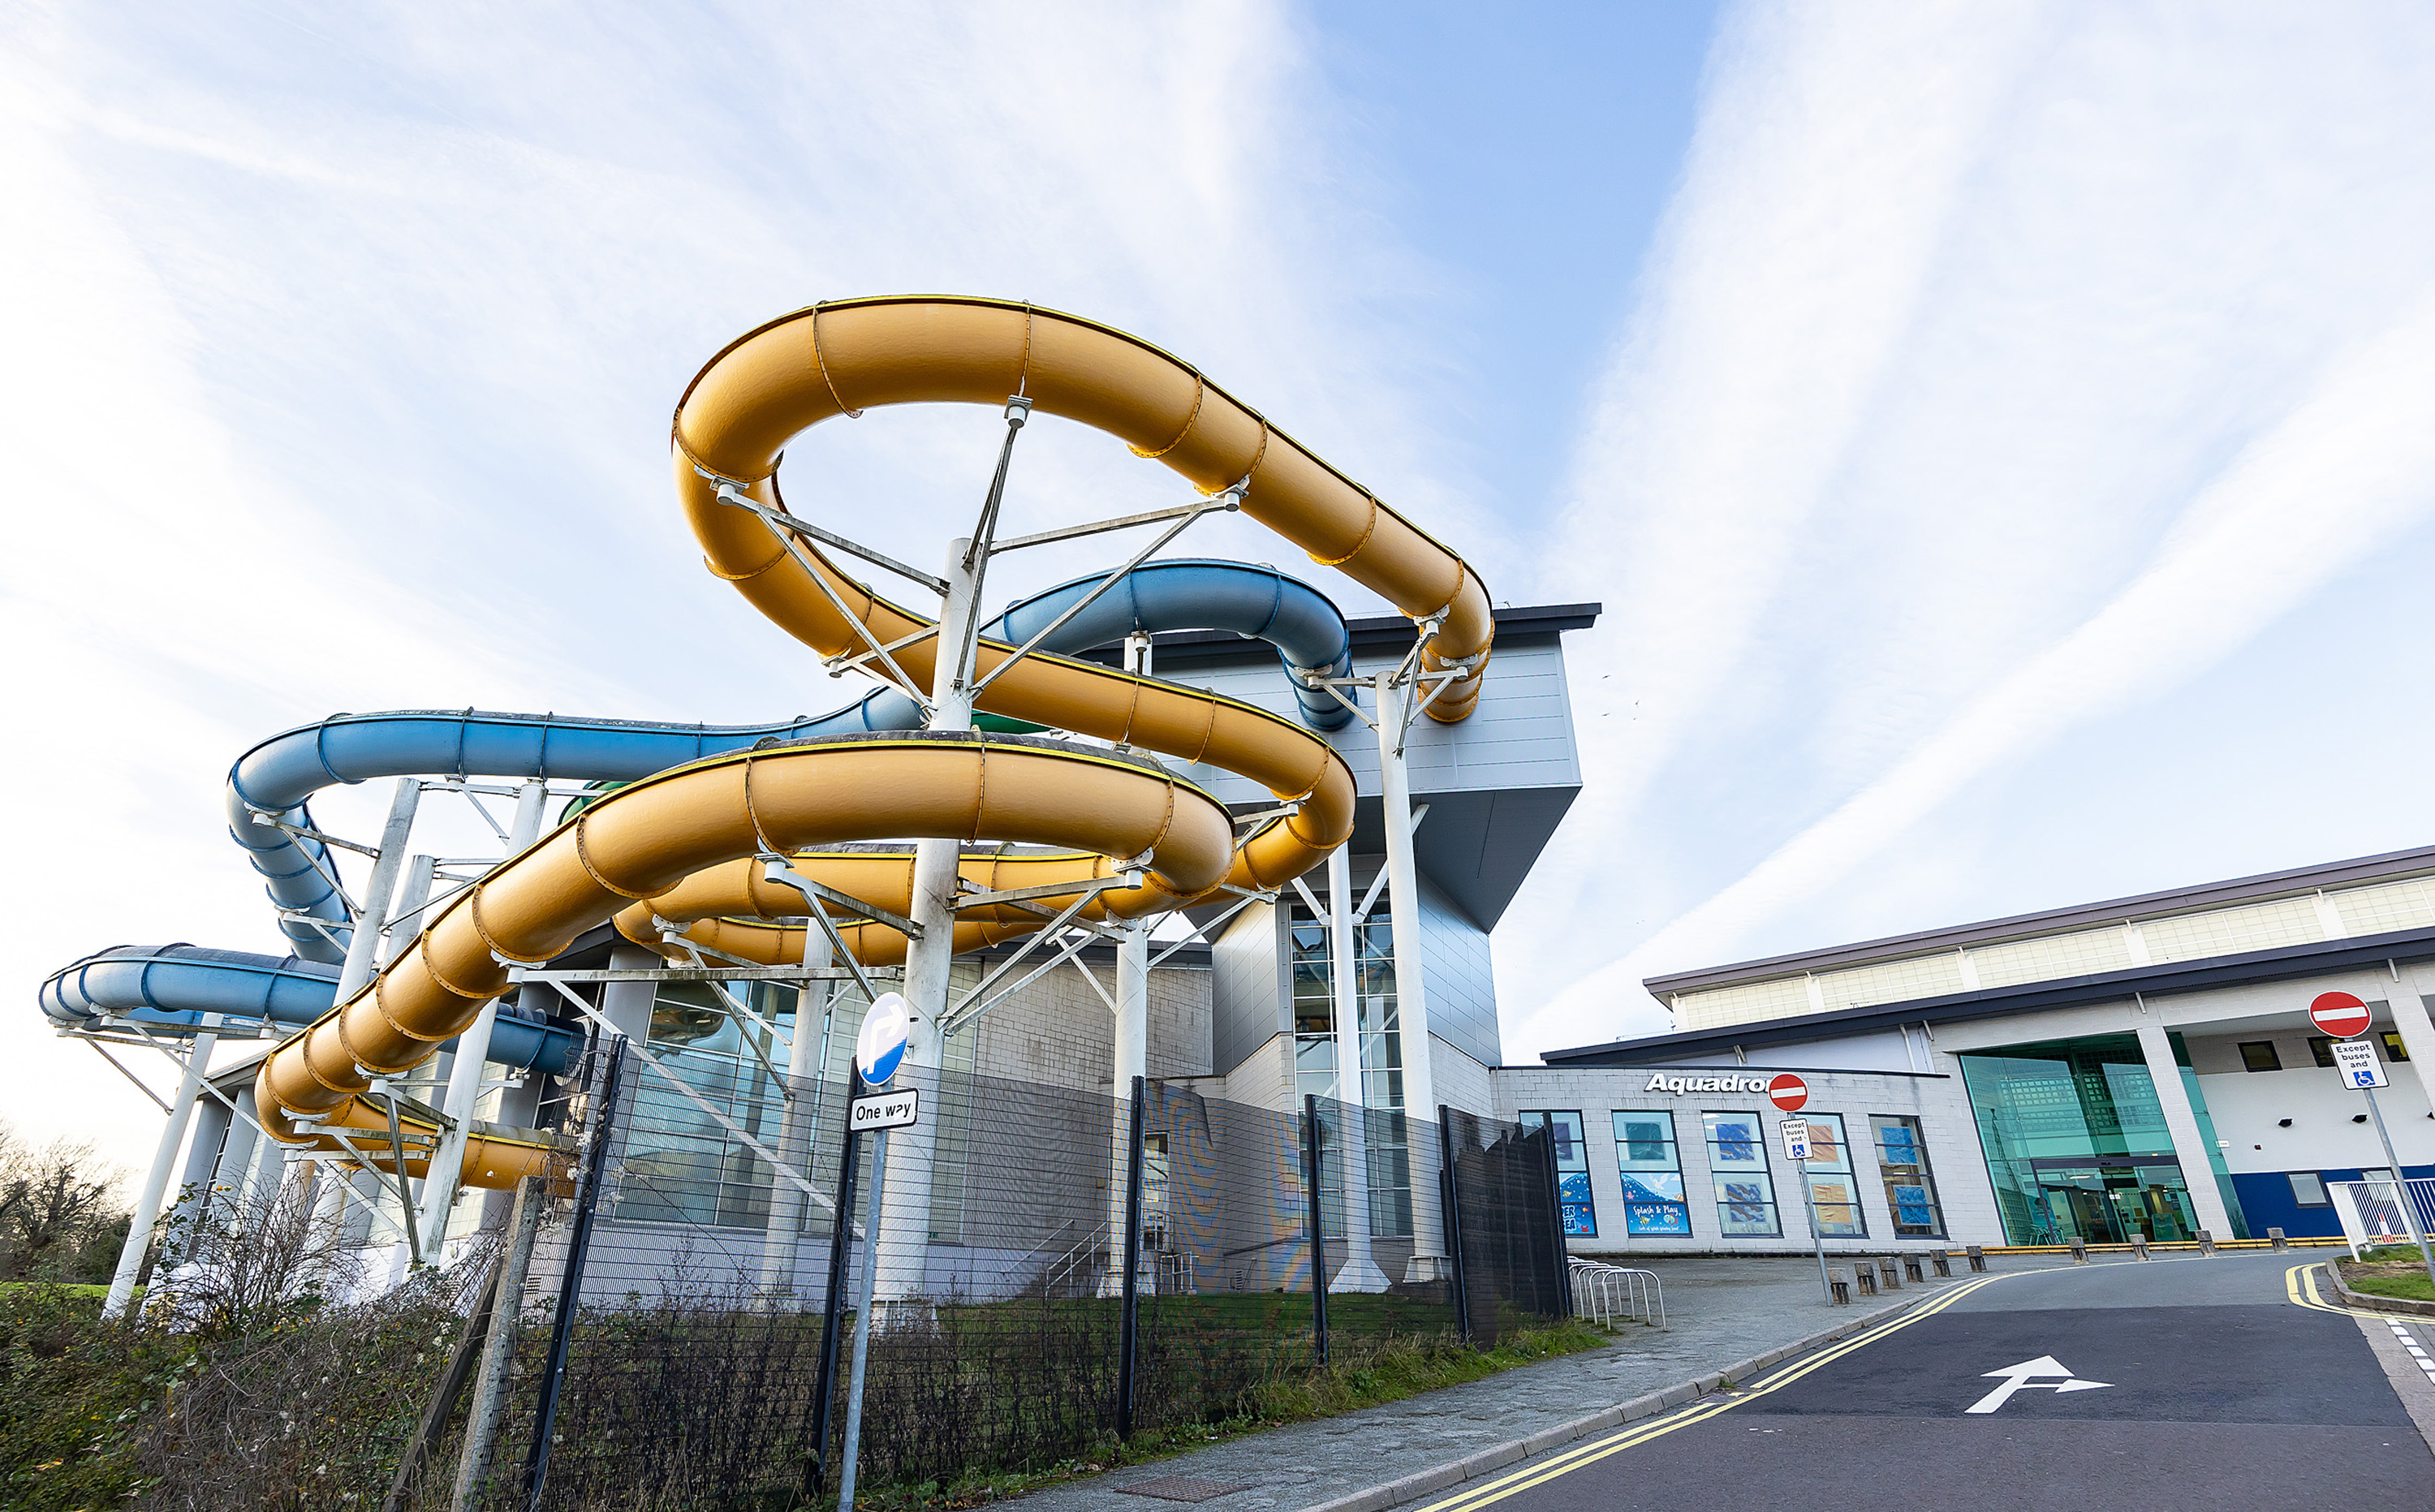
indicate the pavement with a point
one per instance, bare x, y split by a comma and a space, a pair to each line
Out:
2174, 1384
1722, 1312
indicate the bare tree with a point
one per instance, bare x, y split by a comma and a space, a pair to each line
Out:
246, 1266
58, 1202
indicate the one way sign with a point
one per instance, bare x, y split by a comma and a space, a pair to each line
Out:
2030, 1375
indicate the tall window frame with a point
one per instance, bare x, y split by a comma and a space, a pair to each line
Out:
1742, 1175
1834, 1183
1913, 1204
1649, 1162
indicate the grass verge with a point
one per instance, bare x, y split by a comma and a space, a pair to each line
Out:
1365, 1372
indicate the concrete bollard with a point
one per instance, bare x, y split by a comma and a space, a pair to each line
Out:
1942, 1259
1977, 1257
2276, 1235
2139, 1246
1841, 1285
2079, 1250
2206, 1243
1868, 1279
1914, 1269
1888, 1277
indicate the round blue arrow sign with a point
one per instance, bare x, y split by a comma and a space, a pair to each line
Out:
880, 1047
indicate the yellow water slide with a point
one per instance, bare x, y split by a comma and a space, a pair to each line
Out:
680, 846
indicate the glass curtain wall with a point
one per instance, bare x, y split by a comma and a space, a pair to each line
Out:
1382, 1055
2077, 1145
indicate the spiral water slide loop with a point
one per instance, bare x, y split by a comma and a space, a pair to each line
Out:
680, 846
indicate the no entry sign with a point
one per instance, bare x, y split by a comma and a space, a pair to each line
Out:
1788, 1091
2340, 1015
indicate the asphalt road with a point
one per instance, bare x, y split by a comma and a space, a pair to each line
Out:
2212, 1387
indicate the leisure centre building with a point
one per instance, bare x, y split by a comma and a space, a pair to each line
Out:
2139, 1066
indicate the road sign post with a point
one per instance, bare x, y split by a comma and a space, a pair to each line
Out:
1796, 1151
2346, 1017
878, 1050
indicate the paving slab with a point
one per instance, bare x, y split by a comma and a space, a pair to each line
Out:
1722, 1314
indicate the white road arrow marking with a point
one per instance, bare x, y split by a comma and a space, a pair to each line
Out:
2023, 1377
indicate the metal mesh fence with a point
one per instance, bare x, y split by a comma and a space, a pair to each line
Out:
704, 1342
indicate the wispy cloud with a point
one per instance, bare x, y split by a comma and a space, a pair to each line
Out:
346, 376
1960, 316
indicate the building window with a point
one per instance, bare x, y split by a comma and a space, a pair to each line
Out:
1572, 1169
1910, 1186
2394, 1048
2322, 1049
1650, 1165
1389, 1167
2260, 1054
1828, 1171
1737, 1162
2308, 1190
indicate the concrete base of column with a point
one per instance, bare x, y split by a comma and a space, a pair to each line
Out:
1428, 1268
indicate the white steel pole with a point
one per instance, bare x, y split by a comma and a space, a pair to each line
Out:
1131, 1056
363, 948
1360, 1273
156, 1181
930, 962
871, 1222
472, 1057
1411, 995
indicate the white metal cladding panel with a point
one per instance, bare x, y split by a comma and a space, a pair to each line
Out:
2229, 931
1244, 1009
2386, 906
1520, 735
2051, 957
1460, 980
1746, 1004
1921, 976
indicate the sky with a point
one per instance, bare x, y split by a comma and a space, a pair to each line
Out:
1997, 432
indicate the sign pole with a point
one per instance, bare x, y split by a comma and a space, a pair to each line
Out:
2346, 1017
1796, 1153
847, 1455
2401, 1186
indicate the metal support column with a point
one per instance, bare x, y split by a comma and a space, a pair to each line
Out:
363, 948
156, 1180
1315, 1214
1412, 996
929, 961
472, 1059
1129, 1318
1450, 1192
1359, 1273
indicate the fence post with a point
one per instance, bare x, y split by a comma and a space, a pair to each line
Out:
1317, 1242
1563, 1255
1129, 1323
570, 1286
498, 1350
452, 1385
816, 1472
1451, 1221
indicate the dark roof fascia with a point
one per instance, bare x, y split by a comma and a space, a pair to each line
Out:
2280, 964
1384, 632
2177, 899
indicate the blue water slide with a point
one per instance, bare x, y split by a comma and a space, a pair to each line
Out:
277, 777
1257, 603
172, 989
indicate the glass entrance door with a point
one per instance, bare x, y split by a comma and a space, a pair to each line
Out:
2107, 1204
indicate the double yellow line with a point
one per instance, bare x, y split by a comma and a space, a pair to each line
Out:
1541, 1471
2300, 1278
